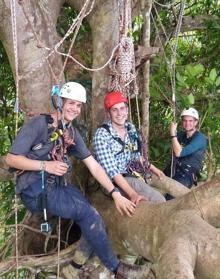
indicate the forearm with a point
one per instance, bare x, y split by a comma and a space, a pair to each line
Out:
98, 173
177, 148
23, 163
124, 185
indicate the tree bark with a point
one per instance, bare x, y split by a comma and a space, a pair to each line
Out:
35, 76
178, 236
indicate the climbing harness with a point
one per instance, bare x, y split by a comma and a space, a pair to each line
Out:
135, 168
135, 145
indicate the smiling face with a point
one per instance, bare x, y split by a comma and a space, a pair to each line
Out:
118, 114
71, 109
189, 123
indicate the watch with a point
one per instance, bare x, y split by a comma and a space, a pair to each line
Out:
115, 189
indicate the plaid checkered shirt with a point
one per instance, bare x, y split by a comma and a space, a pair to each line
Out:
111, 154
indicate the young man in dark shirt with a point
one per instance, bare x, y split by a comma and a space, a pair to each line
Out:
40, 155
189, 146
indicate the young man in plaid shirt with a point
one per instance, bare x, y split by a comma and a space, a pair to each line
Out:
116, 145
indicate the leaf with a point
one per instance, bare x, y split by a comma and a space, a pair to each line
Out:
208, 81
194, 71
180, 77
213, 75
217, 82
198, 69
191, 99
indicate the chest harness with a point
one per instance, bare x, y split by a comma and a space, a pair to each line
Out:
135, 168
181, 167
54, 148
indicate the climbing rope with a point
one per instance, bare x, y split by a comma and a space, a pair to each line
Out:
15, 46
74, 26
173, 59
39, 44
58, 248
197, 202
171, 65
122, 67
173, 76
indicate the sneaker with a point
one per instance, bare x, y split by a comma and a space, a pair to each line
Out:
127, 271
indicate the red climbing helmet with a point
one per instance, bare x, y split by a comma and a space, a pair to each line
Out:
113, 98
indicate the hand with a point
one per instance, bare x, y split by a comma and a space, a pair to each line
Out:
137, 198
157, 171
123, 205
56, 167
173, 128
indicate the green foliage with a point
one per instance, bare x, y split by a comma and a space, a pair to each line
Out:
197, 80
82, 43
136, 28
7, 132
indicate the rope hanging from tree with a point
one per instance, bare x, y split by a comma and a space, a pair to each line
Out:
15, 45
172, 64
173, 76
122, 68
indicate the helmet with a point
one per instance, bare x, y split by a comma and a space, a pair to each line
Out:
190, 112
113, 98
73, 90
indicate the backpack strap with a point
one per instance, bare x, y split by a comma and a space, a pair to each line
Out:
119, 140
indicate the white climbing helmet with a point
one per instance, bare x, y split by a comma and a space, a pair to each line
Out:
73, 90
190, 112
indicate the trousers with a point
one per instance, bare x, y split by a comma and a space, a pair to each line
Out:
68, 202
145, 190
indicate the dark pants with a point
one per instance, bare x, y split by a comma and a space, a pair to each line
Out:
68, 202
183, 177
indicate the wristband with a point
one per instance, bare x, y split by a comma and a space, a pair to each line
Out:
113, 190
173, 136
42, 165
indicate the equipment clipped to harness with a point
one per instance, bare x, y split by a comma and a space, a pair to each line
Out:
56, 134
56, 97
45, 226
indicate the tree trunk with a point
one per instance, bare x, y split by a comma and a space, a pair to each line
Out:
178, 236
35, 76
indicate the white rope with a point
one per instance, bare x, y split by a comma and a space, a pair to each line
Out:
82, 14
58, 248
90, 69
162, 27
173, 61
163, 5
172, 65
15, 45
